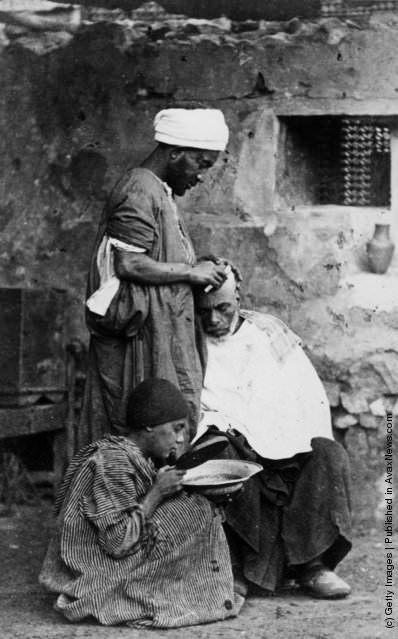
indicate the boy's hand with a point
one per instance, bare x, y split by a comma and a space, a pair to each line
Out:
168, 481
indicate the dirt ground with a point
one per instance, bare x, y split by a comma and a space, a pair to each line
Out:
26, 609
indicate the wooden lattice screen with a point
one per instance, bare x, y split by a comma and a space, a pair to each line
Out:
354, 162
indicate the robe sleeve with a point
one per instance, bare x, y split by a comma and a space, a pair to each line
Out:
131, 214
111, 506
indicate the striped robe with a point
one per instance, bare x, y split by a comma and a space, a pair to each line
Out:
107, 561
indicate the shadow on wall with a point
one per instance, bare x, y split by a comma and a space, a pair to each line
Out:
84, 175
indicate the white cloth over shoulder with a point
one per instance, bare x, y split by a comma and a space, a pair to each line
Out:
279, 406
194, 128
100, 300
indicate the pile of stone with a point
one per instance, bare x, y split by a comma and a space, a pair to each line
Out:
363, 389
354, 409
152, 22
41, 15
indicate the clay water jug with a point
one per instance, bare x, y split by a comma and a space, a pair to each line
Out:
380, 249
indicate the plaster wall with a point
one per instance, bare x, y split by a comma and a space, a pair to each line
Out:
76, 110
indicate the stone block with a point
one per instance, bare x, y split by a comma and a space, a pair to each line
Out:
378, 408
344, 420
354, 402
367, 420
38, 15
378, 374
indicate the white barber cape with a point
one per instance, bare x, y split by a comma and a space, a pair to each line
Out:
279, 406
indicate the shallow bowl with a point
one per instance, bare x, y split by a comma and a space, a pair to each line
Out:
218, 477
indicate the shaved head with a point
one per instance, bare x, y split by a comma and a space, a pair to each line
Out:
219, 309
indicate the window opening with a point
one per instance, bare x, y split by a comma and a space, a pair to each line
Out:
336, 160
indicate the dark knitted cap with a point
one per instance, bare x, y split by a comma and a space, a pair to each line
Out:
153, 402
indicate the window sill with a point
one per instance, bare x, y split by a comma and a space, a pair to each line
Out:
377, 214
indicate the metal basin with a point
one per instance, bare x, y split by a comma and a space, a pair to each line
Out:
219, 477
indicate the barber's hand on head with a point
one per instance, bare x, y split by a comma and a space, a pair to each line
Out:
168, 481
208, 273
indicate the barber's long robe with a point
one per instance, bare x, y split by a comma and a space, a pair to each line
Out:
148, 331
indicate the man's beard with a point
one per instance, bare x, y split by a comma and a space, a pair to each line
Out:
216, 339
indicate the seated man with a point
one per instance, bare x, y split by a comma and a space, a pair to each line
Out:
292, 519
130, 544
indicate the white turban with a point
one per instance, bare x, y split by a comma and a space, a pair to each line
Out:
195, 128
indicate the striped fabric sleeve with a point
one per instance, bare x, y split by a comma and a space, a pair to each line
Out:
119, 533
124, 537
112, 506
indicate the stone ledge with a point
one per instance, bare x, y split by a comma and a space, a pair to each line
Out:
377, 293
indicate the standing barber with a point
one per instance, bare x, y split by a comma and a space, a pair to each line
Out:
140, 305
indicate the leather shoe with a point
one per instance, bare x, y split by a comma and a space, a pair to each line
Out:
324, 584
240, 587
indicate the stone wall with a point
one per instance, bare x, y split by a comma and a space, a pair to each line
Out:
77, 109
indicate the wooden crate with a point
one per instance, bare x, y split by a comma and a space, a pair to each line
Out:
32, 353
18, 421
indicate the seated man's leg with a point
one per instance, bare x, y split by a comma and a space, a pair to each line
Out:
316, 526
310, 532
252, 524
